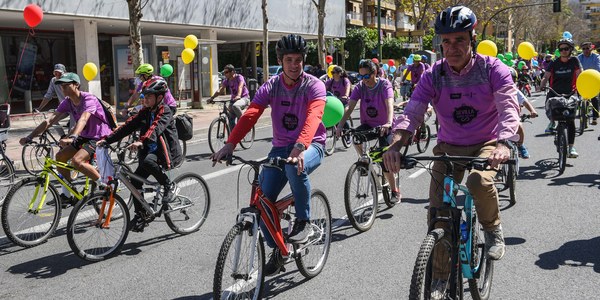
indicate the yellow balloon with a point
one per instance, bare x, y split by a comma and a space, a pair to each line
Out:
191, 41
329, 70
535, 54
588, 84
526, 50
488, 48
187, 55
408, 77
90, 71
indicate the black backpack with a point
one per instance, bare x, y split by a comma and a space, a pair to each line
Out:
185, 127
110, 114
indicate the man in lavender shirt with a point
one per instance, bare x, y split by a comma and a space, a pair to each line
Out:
91, 126
476, 104
239, 93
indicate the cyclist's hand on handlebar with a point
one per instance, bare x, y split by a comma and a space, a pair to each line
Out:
25, 140
297, 157
225, 152
533, 114
385, 129
210, 100
338, 131
499, 155
392, 158
66, 141
135, 145
101, 143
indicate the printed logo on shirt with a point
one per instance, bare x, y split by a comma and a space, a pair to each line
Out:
286, 103
371, 111
290, 122
464, 114
455, 96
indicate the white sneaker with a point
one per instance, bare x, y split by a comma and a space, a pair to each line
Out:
494, 243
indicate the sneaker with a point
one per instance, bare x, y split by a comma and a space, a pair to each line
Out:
438, 289
594, 122
275, 263
301, 231
396, 196
494, 243
139, 222
169, 192
523, 151
65, 201
573, 153
550, 128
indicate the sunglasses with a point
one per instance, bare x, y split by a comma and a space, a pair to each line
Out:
226, 72
586, 48
564, 49
361, 77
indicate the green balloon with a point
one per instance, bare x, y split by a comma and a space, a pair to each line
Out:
556, 53
500, 56
508, 55
166, 70
334, 110
520, 65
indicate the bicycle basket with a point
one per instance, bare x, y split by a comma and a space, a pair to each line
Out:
561, 108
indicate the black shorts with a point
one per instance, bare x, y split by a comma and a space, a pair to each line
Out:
89, 145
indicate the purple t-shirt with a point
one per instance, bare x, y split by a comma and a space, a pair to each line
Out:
234, 84
416, 72
373, 106
475, 106
289, 105
97, 126
169, 100
338, 88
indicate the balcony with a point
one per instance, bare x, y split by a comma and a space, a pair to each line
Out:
354, 18
385, 4
386, 23
404, 25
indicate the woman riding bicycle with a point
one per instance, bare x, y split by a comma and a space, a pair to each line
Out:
239, 93
562, 74
297, 101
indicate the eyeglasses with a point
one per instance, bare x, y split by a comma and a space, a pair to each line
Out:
564, 49
226, 72
586, 48
361, 77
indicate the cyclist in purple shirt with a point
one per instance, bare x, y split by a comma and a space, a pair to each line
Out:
476, 104
92, 125
145, 73
239, 93
339, 84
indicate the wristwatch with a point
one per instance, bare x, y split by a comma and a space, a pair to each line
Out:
73, 136
300, 146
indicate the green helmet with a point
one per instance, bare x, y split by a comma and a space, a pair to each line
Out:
145, 69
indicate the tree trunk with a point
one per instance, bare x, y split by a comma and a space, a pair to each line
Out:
265, 44
135, 33
321, 33
244, 62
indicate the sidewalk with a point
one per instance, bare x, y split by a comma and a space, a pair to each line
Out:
21, 125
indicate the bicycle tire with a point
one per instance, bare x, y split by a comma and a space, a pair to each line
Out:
511, 182
421, 281
361, 208
218, 131
183, 145
250, 280
562, 147
330, 141
87, 239
193, 199
128, 156
312, 262
346, 136
15, 214
583, 117
33, 157
7, 176
248, 140
424, 138
480, 286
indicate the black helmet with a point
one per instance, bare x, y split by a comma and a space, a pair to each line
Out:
455, 19
291, 44
155, 86
567, 42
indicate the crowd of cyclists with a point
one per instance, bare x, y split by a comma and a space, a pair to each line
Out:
481, 126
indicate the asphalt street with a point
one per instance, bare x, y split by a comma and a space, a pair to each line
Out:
551, 233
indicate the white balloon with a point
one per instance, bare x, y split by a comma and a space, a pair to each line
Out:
205, 60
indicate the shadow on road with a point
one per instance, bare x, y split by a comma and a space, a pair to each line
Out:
206, 296
543, 169
49, 266
580, 253
586, 180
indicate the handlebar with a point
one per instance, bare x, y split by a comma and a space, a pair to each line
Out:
269, 162
477, 163
361, 136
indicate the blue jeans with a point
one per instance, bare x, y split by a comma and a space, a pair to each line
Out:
273, 180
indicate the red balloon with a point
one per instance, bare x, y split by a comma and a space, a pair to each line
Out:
33, 15
391, 62
375, 60
328, 59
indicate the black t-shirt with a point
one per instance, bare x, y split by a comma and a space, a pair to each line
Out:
562, 78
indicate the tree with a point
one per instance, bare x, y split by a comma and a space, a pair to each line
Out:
265, 43
135, 32
321, 30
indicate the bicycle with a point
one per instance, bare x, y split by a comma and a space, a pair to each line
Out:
562, 108
422, 136
584, 109
364, 181
7, 167
239, 269
459, 245
95, 233
219, 130
33, 153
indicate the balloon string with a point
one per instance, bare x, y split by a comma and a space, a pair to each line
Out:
31, 33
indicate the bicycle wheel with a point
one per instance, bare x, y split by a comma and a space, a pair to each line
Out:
347, 136
248, 140
87, 236
511, 182
424, 133
191, 205
314, 254
218, 132
183, 146
583, 116
330, 141
481, 285
386, 191
434, 249
25, 224
7, 176
562, 146
360, 197
240, 265
128, 156
33, 157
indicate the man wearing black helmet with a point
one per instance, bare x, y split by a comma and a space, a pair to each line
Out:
476, 104
158, 147
297, 101
562, 74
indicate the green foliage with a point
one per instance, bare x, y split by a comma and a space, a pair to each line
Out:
392, 48
428, 39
